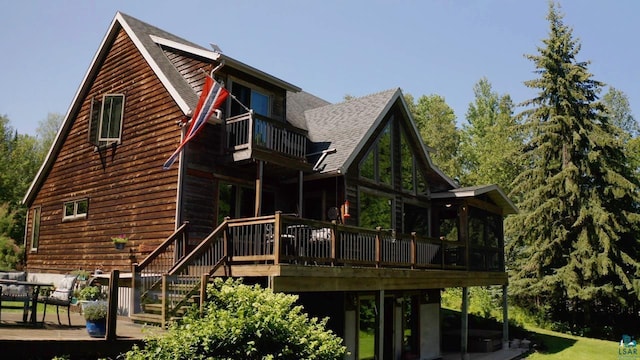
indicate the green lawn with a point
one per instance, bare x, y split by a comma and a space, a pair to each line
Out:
559, 346
40, 308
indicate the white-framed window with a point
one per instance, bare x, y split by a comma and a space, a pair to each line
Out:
76, 209
251, 96
105, 121
111, 118
35, 228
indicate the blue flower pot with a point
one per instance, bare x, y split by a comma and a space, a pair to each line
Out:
97, 328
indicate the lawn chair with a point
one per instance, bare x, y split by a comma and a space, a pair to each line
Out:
61, 296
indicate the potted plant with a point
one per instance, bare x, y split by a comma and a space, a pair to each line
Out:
119, 241
95, 315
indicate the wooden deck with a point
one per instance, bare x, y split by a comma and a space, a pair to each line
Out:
22, 341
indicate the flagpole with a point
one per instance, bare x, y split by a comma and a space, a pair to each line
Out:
240, 102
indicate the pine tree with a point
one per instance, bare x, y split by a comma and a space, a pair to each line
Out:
574, 246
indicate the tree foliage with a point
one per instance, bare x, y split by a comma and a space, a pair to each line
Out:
244, 322
436, 123
574, 246
490, 140
20, 158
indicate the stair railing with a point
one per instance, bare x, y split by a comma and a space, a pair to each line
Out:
147, 275
182, 283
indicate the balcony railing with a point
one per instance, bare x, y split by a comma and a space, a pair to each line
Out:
289, 239
257, 132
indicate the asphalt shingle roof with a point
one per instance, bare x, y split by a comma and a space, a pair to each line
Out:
143, 32
345, 126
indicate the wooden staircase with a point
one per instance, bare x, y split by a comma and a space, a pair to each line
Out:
170, 281
152, 312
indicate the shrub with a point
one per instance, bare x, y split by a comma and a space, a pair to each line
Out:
91, 293
94, 310
244, 322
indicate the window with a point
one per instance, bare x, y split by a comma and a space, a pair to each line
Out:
105, 125
377, 164
35, 228
255, 99
406, 164
75, 209
416, 218
375, 211
384, 155
111, 118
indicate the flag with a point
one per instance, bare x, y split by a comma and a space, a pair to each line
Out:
212, 97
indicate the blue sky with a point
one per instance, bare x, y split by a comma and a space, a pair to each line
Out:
329, 48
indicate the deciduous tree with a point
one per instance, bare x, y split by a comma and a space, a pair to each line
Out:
436, 122
490, 140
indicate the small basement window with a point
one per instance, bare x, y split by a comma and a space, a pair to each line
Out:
76, 209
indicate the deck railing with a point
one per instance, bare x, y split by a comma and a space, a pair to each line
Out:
255, 131
171, 277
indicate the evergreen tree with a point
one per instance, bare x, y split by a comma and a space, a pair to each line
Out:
490, 140
618, 110
574, 245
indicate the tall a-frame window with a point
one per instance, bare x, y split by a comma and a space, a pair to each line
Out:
377, 165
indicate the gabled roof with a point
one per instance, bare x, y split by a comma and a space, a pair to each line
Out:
494, 192
344, 129
346, 126
148, 40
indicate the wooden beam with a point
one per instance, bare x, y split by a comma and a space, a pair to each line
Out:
464, 324
258, 208
505, 318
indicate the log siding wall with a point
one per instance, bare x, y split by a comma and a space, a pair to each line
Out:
127, 188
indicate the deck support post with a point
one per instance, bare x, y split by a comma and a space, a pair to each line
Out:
464, 324
380, 333
112, 309
505, 318
258, 208
300, 192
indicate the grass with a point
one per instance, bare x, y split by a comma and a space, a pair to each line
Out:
40, 308
366, 348
559, 346
551, 345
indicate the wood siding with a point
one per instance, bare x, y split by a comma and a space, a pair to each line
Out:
128, 191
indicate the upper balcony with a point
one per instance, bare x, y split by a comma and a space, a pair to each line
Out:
253, 136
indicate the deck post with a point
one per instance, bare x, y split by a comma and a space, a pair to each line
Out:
464, 324
277, 244
260, 174
378, 246
112, 310
300, 192
380, 333
505, 318
414, 250
204, 280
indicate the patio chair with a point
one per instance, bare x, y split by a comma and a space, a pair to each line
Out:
61, 296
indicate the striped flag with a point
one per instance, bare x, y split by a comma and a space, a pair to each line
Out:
212, 97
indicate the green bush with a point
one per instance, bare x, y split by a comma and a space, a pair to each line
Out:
91, 293
94, 310
244, 322
11, 255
